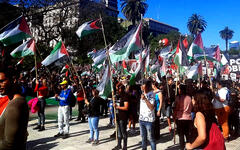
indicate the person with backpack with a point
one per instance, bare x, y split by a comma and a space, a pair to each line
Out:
64, 110
205, 133
222, 109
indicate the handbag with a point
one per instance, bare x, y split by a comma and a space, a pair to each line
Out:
86, 109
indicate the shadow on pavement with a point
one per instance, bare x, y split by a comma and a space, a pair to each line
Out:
41, 143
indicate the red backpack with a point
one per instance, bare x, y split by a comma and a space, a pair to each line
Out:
216, 140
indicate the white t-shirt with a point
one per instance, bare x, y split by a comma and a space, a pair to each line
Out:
145, 113
222, 93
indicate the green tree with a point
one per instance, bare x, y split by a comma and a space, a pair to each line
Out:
226, 34
196, 24
133, 9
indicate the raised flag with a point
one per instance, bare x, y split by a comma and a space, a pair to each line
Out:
58, 52
129, 43
20, 62
193, 72
105, 85
164, 68
15, 32
196, 47
87, 28
27, 48
98, 57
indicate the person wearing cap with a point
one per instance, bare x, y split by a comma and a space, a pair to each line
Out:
63, 110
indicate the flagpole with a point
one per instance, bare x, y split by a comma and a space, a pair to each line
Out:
207, 70
174, 124
35, 60
10, 23
105, 42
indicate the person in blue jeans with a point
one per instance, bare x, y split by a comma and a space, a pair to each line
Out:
147, 115
93, 116
111, 112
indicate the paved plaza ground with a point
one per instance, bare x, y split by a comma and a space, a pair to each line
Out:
79, 133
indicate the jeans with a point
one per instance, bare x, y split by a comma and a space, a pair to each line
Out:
63, 119
122, 132
147, 131
41, 111
111, 112
93, 126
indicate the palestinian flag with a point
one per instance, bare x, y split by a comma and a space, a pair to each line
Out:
178, 55
196, 47
15, 32
27, 48
193, 72
87, 28
65, 68
58, 52
20, 62
105, 85
98, 57
211, 54
163, 53
129, 43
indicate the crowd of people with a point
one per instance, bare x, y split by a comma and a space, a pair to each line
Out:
205, 115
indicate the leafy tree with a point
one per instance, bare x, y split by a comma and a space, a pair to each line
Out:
226, 34
133, 9
196, 24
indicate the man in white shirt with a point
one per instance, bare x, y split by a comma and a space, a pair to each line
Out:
147, 115
222, 109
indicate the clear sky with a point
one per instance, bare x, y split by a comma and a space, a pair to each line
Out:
217, 13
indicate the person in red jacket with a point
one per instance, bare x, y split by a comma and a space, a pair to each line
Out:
81, 103
42, 94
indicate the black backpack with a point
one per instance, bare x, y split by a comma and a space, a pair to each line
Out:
72, 99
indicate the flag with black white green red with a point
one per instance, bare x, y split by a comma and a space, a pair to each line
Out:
98, 57
129, 43
180, 58
87, 28
105, 85
15, 32
27, 48
196, 47
58, 52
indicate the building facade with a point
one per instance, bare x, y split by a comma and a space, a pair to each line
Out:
157, 27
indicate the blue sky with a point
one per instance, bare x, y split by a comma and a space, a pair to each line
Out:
217, 13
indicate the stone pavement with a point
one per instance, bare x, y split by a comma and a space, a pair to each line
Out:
79, 133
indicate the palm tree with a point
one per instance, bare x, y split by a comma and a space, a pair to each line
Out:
133, 9
196, 24
226, 34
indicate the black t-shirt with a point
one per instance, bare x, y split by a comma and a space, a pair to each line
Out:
122, 114
94, 107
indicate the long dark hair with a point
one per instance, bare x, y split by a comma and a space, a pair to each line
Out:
204, 105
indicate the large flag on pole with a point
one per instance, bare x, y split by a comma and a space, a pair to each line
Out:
105, 86
58, 52
15, 32
129, 43
196, 47
193, 72
98, 57
87, 28
27, 48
